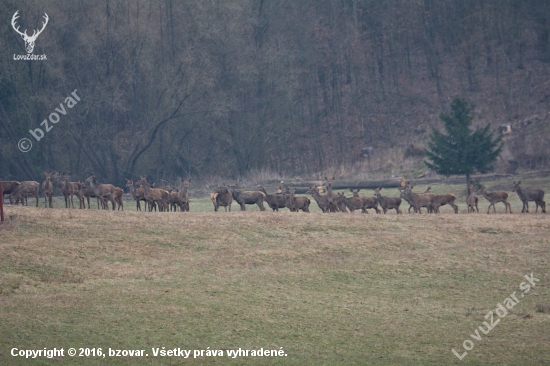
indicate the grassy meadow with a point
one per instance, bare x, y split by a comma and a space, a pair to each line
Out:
330, 289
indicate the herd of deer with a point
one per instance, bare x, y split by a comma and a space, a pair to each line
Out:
170, 199
330, 202
164, 199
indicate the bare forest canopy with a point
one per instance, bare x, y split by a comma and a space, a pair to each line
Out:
219, 88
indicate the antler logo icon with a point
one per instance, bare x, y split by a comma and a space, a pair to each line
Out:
29, 41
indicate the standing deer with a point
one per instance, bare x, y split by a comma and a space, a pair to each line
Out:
417, 200
70, 189
496, 197
331, 197
154, 195
276, 200
22, 191
439, 200
8, 187
295, 204
472, 200
103, 191
530, 194
388, 203
137, 193
222, 197
184, 195
369, 202
87, 192
322, 201
47, 188
244, 198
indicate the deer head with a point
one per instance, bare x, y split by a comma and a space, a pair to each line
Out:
29, 40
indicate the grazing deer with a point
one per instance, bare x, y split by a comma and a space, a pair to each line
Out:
154, 195
388, 203
22, 191
496, 197
47, 188
222, 197
322, 201
103, 191
8, 187
472, 199
530, 194
295, 204
137, 193
275, 201
369, 202
244, 198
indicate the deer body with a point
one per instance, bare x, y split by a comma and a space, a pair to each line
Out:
439, 200
417, 200
496, 197
368, 202
472, 200
8, 187
47, 188
275, 201
295, 204
103, 191
137, 193
154, 195
222, 197
22, 191
530, 194
322, 201
388, 203
244, 198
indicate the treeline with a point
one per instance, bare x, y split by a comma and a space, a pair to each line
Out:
219, 88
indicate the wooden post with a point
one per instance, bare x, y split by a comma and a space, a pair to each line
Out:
1, 202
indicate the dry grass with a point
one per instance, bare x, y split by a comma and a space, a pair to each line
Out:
329, 289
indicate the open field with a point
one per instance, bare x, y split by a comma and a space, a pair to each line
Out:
328, 288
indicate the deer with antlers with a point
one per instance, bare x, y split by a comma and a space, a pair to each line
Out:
29, 40
496, 197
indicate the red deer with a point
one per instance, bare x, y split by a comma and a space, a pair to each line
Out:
137, 193
244, 198
295, 204
103, 191
496, 197
118, 198
417, 200
47, 188
275, 201
369, 202
184, 195
8, 186
322, 201
154, 195
472, 200
22, 191
332, 199
388, 203
87, 192
70, 189
439, 200
530, 194
222, 197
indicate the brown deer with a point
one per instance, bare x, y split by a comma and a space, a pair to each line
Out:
47, 188
103, 191
222, 197
439, 200
530, 194
87, 192
70, 189
22, 191
244, 198
322, 201
8, 187
118, 198
472, 200
154, 195
417, 200
332, 199
184, 195
295, 204
137, 193
496, 197
276, 200
388, 203
369, 202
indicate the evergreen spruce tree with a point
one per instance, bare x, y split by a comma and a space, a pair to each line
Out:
461, 151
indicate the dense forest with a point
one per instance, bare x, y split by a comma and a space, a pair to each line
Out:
220, 88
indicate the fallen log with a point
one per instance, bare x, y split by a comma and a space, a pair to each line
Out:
393, 182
